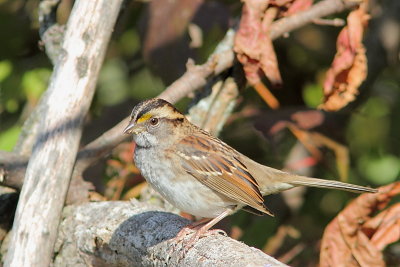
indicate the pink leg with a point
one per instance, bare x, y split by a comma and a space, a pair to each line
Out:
196, 224
203, 230
188, 228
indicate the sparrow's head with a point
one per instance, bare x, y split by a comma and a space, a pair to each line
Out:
153, 121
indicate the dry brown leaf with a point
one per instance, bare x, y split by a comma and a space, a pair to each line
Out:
114, 187
303, 125
135, 191
385, 227
291, 7
273, 122
253, 45
298, 6
122, 170
314, 141
349, 239
305, 137
281, 3
95, 196
349, 67
273, 244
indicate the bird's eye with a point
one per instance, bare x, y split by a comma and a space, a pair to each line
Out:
153, 121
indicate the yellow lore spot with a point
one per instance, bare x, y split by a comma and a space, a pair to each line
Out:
144, 118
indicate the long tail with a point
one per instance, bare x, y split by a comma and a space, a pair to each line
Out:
273, 181
332, 184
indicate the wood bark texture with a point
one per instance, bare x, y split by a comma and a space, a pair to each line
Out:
69, 96
138, 234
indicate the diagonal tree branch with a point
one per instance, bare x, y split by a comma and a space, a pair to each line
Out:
319, 10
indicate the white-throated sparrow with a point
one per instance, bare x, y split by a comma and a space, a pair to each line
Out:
200, 174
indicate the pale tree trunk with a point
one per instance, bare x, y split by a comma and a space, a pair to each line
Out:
68, 99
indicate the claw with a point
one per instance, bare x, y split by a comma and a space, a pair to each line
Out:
201, 229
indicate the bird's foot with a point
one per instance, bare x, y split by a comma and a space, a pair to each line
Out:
201, 229
197, 232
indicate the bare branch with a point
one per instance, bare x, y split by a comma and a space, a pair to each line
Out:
330, 22
137, 234
196, 76
319, 10
50, 32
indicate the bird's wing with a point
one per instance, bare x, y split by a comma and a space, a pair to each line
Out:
220, 169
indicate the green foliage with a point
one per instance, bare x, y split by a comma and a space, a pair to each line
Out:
144, 85
8, 138
369, 138
312, 95
369, 127
34, 83
112, 86
129, 42
332, 202
380, 170
5, 69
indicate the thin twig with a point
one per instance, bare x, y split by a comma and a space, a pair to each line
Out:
330, 22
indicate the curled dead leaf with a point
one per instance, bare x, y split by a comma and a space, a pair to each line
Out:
354, 238
385, 227
254, 46
298, 6
349, 67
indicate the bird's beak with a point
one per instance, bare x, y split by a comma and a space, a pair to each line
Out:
133, 128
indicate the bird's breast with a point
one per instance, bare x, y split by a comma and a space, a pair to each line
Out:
178, 187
